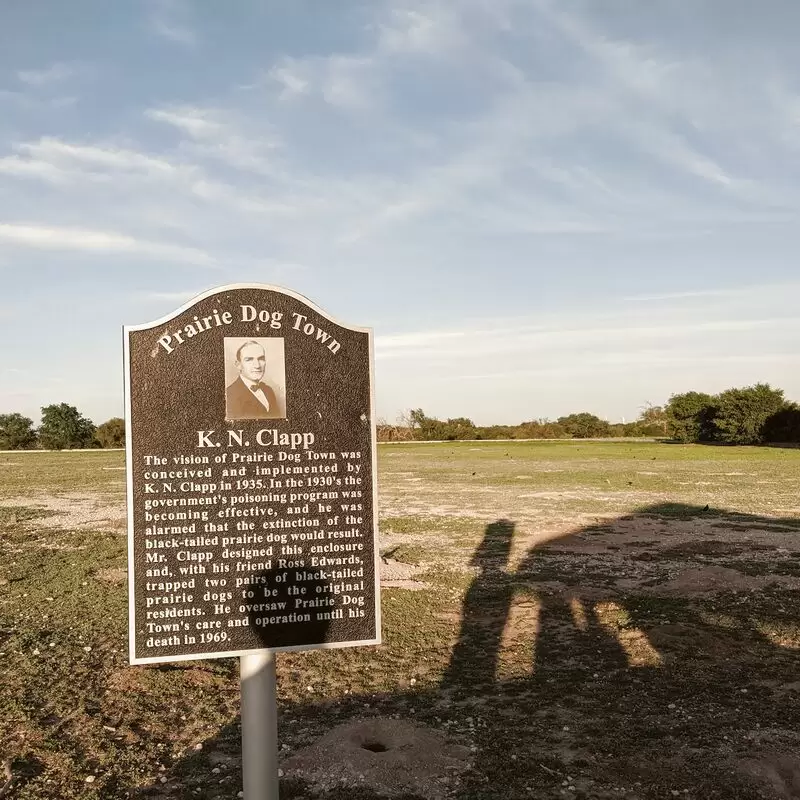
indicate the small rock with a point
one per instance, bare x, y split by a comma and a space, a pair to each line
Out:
216, 771
90, 779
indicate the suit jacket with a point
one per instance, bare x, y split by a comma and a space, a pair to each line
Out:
240, 403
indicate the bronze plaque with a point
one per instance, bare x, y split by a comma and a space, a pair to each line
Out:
252, 510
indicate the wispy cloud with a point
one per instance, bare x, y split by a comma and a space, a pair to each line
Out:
585, 357
291, 79
533, 339
64, 238
748, 293
354, 81
661, 102
70, 164
197, 123
171, 20
421, 28
345, 82
55, 159
29, 168
218, 135
56, 73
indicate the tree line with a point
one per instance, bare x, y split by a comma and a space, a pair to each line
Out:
63, 427
756, 414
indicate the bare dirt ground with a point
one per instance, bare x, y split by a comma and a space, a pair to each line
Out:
561, 620
659, 589
73, 510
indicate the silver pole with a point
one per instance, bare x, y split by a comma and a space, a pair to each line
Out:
259, 726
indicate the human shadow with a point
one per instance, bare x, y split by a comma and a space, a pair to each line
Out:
283, 612
473, 663
273, 609
596, 661
619, 676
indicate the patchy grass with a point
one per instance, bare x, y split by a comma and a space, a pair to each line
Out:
409, 554
425, 524
571, 632
11, 516
24, 474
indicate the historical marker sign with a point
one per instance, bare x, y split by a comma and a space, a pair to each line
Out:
252, 513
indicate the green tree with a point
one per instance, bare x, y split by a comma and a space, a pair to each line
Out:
459, 428
653, 421
111, 433
690, 417
540, 429
634, 429
495, 432
431, 429
742, 413
783, 426
584, 425
424, 427
16, 432
64, 428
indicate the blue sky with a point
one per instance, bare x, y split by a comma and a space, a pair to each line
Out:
540, 207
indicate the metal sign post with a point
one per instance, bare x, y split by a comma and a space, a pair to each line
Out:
259, 726
252, 500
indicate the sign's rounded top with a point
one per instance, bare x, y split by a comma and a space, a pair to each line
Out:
229, 287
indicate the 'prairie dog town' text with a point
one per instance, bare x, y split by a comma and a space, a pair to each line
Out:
217, 319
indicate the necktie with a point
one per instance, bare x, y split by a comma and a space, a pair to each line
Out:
256, 387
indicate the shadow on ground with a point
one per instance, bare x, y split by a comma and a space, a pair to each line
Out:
593, 669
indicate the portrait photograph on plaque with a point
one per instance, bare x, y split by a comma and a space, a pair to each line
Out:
255, 378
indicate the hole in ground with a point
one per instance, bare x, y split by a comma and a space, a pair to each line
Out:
374, 747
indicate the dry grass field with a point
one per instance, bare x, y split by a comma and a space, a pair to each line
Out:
578, 619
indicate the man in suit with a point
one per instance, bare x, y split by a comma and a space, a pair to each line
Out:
248, 397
